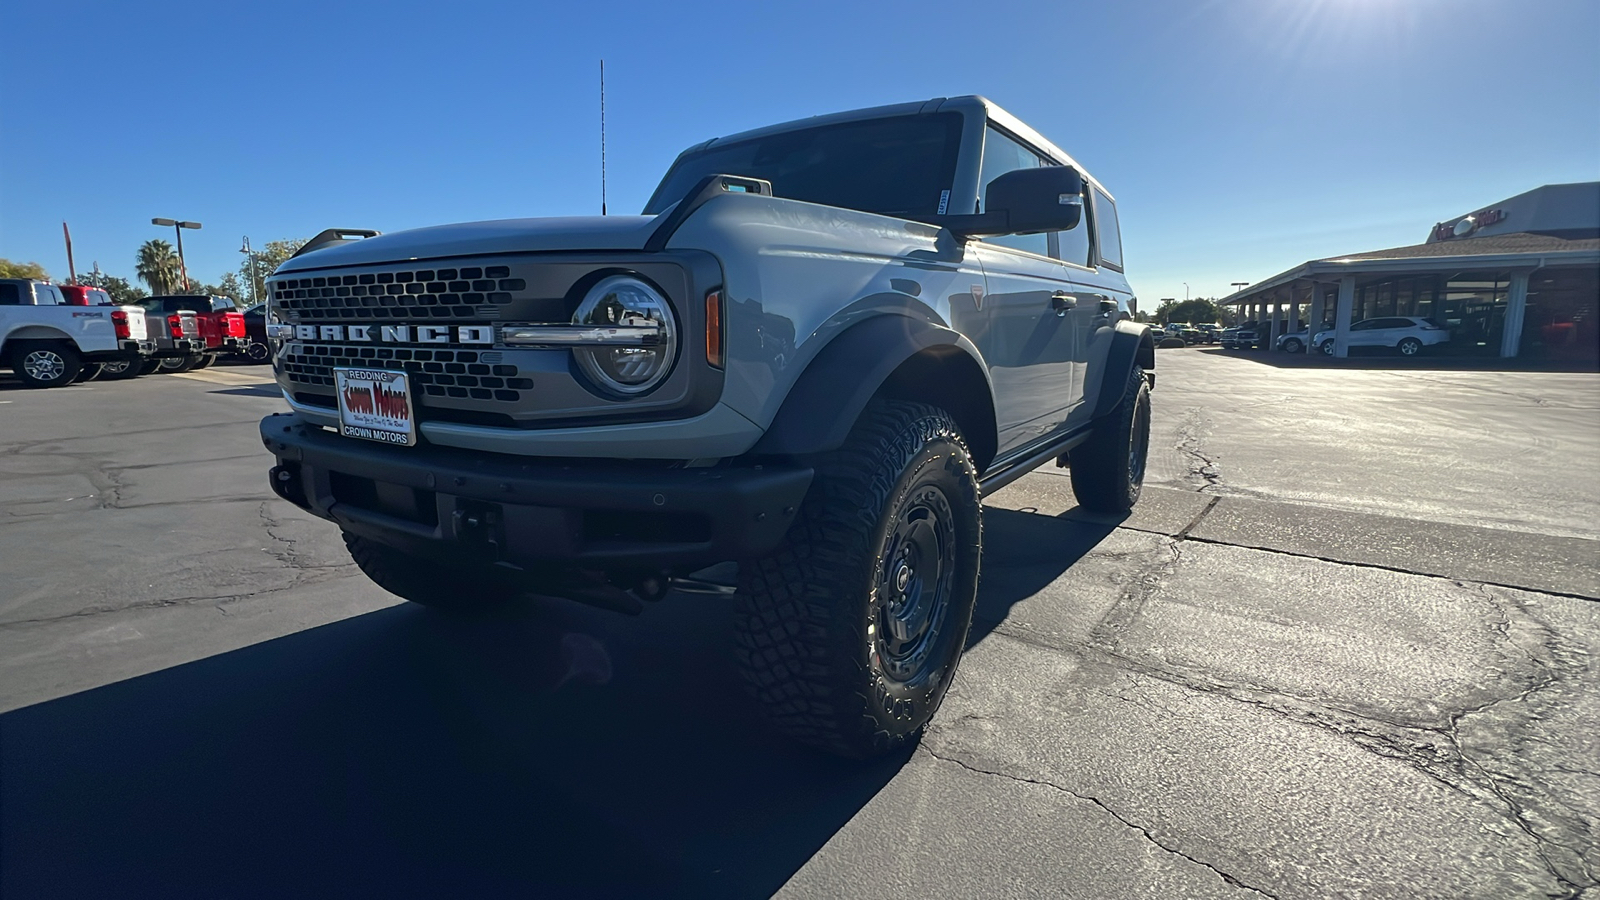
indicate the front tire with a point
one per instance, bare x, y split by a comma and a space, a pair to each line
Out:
1108, 468
1327, 347
45, 365
849, 634
426, 582
1293, 346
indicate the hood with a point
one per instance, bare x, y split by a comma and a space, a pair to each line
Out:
498, 236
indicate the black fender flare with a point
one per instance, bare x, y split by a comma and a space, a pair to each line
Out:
827, 399
1131, 345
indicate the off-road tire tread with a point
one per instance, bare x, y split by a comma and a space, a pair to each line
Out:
1099, 466
801, 669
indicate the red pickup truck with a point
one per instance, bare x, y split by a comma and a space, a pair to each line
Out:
221, 328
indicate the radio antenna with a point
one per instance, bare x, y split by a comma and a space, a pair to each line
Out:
602, 137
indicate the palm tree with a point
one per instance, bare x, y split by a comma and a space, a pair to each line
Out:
158, 267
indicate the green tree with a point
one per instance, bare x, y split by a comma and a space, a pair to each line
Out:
29, 270
158, 266
256, 270
1200, 309
120, 290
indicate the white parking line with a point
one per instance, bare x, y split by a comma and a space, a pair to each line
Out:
234, 379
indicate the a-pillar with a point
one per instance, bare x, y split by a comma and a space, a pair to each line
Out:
1516, 313
1341, 316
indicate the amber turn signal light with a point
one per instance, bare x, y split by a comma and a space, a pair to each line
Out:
714, 351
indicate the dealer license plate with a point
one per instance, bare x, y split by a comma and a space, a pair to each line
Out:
375, 405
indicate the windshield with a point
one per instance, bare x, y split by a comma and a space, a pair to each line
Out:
900, 166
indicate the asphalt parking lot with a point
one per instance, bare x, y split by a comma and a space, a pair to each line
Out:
1344, 646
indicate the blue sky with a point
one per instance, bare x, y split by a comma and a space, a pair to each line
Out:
1239, 136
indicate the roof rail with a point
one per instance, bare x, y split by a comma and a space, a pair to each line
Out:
335, 236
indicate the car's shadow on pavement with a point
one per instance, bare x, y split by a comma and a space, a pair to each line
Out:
544, 751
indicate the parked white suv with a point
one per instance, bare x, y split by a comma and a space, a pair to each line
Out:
1407, 334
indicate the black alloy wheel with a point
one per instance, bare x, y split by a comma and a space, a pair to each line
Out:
915, 581
257, 352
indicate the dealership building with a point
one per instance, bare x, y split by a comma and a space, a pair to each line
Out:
1516, 278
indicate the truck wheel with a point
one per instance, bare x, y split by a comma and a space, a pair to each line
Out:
1108, 468
206, 360
175, 364
257, 352
424, 581
46, 365
119, 369
89, 372
849, 633
150, 367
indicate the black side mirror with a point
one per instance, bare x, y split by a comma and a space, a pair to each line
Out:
1035, 200
1026, 201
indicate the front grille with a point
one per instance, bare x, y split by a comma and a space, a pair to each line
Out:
463, 374
464, 293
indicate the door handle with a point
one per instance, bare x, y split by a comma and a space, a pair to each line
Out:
1107, 304
1062, 301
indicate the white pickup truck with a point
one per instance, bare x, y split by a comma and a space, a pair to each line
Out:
49, 343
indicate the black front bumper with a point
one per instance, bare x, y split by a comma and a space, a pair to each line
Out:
603, 515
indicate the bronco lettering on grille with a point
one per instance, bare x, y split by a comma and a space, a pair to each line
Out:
425, 334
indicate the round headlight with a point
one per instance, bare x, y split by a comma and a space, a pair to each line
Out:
622, 300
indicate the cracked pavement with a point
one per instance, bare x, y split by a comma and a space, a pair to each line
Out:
1344, 646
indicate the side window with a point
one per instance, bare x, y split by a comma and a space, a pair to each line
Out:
1105, 213
1075, 243
46, 295
1002, 154
9, 295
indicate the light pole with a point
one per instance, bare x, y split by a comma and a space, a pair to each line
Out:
250, 268
1186, 292
1239, 284
178, 227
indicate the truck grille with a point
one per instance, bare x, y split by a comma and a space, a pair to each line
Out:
464, 293
463, 374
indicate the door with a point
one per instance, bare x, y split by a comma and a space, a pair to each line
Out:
1093, 254
1025, 334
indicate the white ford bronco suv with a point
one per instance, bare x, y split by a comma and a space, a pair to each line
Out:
812, 355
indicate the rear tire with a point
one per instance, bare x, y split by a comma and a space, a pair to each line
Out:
206, 360
175, 364
1327, 347
150, 367
1108, 469
1409, 347
849, 633
423, 581
119, 369
45, 365
258, 352
89, 372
